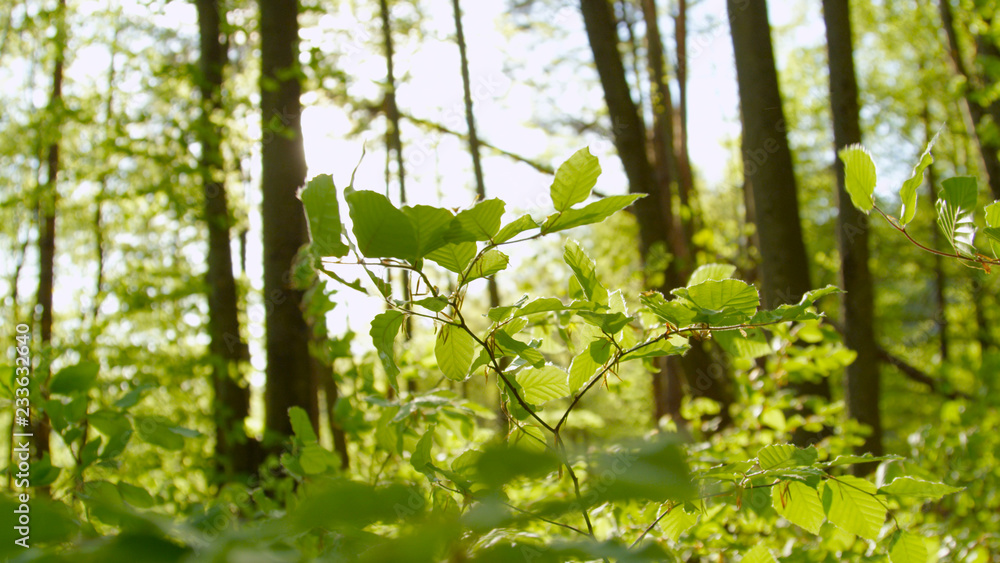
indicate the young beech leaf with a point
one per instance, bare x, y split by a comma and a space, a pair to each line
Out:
758, 554
514, 228
851, 505
585, 271
454, 256
907, 548
385, 326
722, 301
908, 193
480, 222
992, 230
429, 224
859, 176
956, 209
589, 214
677, 522
799, 503
574, 180
913, 487
319, 198
454, 349
381, 230
543, 384
711, 272
301, 425
491, 262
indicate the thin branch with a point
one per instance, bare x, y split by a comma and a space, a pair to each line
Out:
978, 259
917, 375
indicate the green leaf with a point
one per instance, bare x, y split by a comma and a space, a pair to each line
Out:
851, 505
454, 256
671, 347
711, 272
436, 304
319, 198
514, 228
136, 496
586, 364
778, 456
491, 262
421, 456
722, 301
799, 503
913, 487
454, 349
585, 270
381, 230
157, 430
956, 208
481, 222
610, 323
992, 230
751, 346
429, 225
758, 554
908, 193
543, 384
574, 180
855, 459
301, 425
589, 214
799, 312
677, 522
859, 176
74, 379
314, 459
907, 548
673, 312
513, 347
385, 327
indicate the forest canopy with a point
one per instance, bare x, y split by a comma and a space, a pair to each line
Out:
531, 280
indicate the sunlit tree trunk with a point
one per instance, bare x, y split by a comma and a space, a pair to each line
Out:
767, 167
685, 177
988, 147
654, 214
234, 450
289, 376
857, 303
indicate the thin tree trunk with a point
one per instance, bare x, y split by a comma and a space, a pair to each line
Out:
48, 202
988, 148
857, 303
653, 214
289, 376
767, 167
234, 450
940, 278
685, 177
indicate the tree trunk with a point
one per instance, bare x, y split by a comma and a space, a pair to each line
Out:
685, 177
988, 148
654, 214
767, 168
857, 304
234, 451
289, 377
48, 202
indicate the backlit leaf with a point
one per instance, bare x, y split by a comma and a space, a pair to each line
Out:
800, 504
589, 214
478, 223
574, 180
907, 548
454, 256
385, 327
956, 208
859, 176
543, 384
381, 230
429, 225
908, 193
454, 350
914, 487
851, 505
319, 198
585, 271
491, 262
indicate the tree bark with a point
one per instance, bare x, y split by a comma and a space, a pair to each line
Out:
234, 450
767, 168
857, 304
654, 214
48, 202
289, 377
988, 148
685, 177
